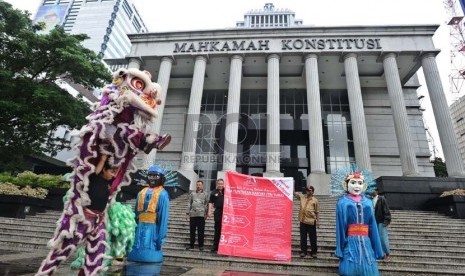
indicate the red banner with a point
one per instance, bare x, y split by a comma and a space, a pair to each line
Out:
257, 217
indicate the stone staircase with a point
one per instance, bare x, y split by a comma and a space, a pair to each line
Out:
422, 243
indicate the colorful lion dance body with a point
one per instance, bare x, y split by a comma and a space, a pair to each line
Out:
115, 133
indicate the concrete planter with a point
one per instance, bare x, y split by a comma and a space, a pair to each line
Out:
413, 193
55, 195
18, 206
452, 205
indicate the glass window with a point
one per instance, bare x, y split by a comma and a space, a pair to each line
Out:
127, 9
209, 143
301, 151
337, 130
285, 151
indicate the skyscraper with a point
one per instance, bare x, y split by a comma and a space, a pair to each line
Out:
457, 110
106, 22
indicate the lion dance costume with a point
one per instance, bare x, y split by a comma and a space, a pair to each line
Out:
121, 230
357, 240
117, 128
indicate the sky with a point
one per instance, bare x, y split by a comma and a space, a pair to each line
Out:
182, 15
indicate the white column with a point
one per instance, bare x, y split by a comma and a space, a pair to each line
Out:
232, 119
408, 158
357, 113
443, 118
134, 63
163, 81
272, 132
192, 122
315, 128
139, 159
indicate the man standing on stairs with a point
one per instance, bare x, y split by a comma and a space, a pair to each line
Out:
216, 203
309, 218
383, 219
196, 212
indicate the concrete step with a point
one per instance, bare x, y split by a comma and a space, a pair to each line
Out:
397, 255
331, 244
298, 265
330, 232
329, 250
330, 229
331, 237
422, 243
23, 244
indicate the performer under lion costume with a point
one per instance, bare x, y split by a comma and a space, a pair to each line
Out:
116, 132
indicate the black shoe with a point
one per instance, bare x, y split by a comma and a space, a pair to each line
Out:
213, 250
302, 254
201, 248
189, 247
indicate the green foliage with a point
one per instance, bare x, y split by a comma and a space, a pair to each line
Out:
439, 166
6, 177
28, 178
32, 105
11, 189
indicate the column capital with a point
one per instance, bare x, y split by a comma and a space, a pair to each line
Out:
311, 55
171, 60
384, 55
345, 56
201, 57
135, 59
270, 56
428, 54
237, 56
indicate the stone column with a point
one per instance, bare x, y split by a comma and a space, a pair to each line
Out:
399, 112
163, 81
315, 128
139, 159
192, 122
357, 113
134, 63
272, 132
317, 177
454, 162
232, 119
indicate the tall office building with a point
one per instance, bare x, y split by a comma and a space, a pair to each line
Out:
106, 22
457, 110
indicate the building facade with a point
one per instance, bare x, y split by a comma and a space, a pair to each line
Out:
295, 101
269, 17
106, 22
457, 110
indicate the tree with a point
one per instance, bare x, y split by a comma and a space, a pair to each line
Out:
32, 105
439, 166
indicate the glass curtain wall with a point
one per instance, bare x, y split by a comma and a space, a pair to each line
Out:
337, 130
210, 136
294, 136
251, 148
